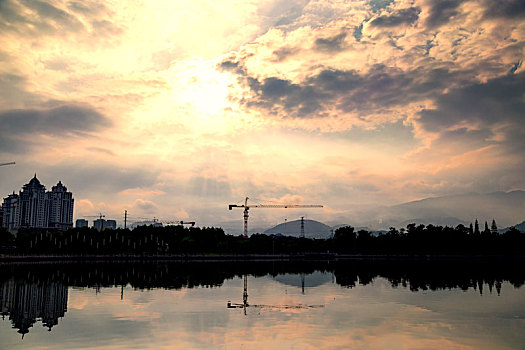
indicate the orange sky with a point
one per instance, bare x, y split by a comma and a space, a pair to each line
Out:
175, 109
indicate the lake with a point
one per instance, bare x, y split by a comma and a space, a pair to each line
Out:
264, 305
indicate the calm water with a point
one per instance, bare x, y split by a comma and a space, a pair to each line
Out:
374, 305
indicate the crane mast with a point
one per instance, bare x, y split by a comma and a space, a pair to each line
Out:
10, 163
247, 208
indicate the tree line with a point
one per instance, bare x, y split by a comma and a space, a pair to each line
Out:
414, 239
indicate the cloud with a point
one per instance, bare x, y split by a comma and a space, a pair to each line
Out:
87, 8
377, 91
485, 118
496, 101
92, 179
64, 120
397, 18
283, 53
36, 18
333, 44
13, 90
52, 121
441, 11
504, 9
144, 206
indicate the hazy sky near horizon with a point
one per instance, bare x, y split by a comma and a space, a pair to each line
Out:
175, 109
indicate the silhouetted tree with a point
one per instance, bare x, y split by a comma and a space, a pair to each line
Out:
476, 228
6, 238
364, 241
493, 227
345, 239
486, 231
471, 229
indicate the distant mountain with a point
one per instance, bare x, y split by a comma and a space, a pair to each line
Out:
505, 207
519, 227
312, 229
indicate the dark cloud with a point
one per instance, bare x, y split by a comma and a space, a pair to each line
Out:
504, 8
36, 18
494, 110
441, 11
348, 91
274, 94
233, 65
229, 65
405, 16
57, 121
333, 44
497, 100
54, 121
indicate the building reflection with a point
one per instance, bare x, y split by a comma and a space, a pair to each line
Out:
26, 303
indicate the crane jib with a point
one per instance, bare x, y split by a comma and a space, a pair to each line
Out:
284, 206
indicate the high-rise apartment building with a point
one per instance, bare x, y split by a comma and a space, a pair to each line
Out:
60, 207
10, 208
33, 207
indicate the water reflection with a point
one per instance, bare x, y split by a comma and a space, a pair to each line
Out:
24, 303
244, 305
33, 293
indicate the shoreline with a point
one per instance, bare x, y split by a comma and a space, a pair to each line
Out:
7, 258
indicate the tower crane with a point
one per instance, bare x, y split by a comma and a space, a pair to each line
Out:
100, 216
10, 163
247, 207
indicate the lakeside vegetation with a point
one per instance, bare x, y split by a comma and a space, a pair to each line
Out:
414, 240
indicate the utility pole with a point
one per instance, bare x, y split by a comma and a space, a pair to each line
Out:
125, 218
302, 226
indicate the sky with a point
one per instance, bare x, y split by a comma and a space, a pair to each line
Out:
175, 109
